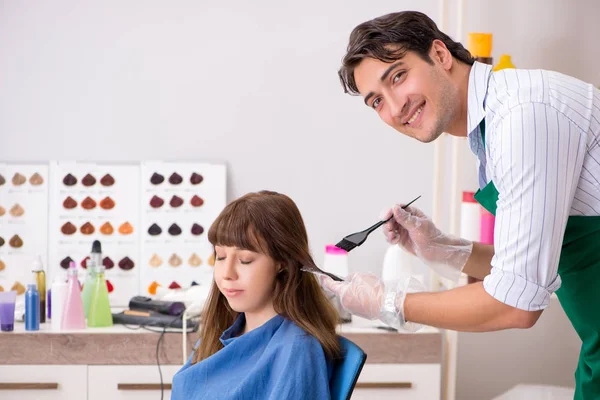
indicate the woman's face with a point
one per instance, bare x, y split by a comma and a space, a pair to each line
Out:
246, 278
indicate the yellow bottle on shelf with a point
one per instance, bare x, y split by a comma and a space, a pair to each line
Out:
504, 63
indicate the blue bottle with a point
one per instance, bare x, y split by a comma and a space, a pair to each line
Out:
32, 308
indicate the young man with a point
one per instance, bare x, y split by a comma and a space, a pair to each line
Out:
536, 137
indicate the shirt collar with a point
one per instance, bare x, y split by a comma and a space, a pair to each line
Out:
477, 92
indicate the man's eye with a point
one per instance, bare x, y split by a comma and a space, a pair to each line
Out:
376, 102
397, 76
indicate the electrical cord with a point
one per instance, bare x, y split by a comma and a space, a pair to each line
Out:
162, 333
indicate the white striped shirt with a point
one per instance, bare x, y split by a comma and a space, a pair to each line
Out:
542, 134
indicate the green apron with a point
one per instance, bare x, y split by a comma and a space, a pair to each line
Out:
579, 294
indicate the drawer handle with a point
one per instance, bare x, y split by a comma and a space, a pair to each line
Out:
28, 386
142, 386
384, 385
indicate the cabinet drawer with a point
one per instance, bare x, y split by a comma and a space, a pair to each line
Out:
129, 382
399, 381
43, 382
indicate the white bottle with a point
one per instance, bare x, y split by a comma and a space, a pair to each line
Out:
399, 264
336, 262
396, 264
59, 295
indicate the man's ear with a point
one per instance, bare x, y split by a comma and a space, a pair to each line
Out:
440, 54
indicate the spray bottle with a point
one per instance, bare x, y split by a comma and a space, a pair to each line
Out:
73, 317
88, 285
100, 315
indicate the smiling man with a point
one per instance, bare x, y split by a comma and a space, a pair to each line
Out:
536, 136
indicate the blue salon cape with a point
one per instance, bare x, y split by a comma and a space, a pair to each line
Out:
277, 360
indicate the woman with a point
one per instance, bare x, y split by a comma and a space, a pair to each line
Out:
269, 331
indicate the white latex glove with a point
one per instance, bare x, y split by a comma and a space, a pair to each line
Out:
369, 297
417, 234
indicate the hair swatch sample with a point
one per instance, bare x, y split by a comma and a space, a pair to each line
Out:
109, 286
66, 262
197, 230
175, 260
107, 229
36, 179
69, 203
88, 180
174, 285
18, 179
155, 261
88, 203
196, 201
2, 180
2, 241
87, 228
174, 230
16, 242
2, 265
107, 180
83, 262
107, 203
196, 179
1, 288
157, 179
156, 202
175, 179
154, 230
126, 228
68, 229
18, 287
2, 211
176, 201
17, 210
194, 260
194, 283
69, 180
126, 264
108, 263
152, 288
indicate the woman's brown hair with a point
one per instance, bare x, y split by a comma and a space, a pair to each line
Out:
270, 223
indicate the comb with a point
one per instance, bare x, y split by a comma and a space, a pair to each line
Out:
356, 239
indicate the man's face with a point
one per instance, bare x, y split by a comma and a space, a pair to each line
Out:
412, 96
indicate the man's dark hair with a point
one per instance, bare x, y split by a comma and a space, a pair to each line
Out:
389, 38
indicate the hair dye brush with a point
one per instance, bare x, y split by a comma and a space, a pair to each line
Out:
356, 239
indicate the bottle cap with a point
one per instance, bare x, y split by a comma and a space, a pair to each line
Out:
37, 265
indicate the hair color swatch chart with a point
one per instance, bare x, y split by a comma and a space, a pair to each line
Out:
23, 222
180, 201
97, 202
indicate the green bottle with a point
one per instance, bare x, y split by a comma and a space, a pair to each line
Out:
90, 278
100, 315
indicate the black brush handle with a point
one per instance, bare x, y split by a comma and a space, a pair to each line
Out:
377, 225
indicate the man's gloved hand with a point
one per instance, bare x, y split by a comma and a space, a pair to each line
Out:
369, 297
417, 234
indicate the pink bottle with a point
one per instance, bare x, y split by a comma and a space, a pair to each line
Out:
487, 226
73, 316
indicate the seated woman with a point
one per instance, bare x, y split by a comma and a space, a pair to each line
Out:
268, 330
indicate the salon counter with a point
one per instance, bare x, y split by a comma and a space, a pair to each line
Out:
122, 346
120, 363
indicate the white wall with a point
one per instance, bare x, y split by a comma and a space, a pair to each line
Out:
254, 84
